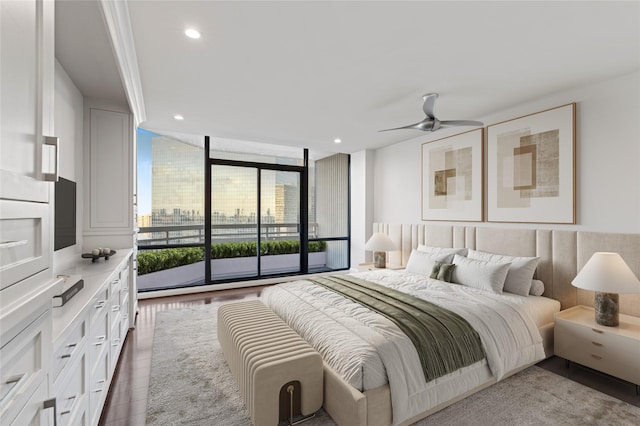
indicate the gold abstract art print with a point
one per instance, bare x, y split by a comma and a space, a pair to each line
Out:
452, 178
531, 168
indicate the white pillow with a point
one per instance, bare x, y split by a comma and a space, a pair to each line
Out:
479, 274
437, 251
537, 288
520, 272
422, 263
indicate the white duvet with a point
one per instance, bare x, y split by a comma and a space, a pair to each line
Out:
368, 350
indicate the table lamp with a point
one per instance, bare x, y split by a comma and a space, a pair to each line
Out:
379, 243
607, 274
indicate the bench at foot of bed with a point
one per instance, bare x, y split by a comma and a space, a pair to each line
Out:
276, 370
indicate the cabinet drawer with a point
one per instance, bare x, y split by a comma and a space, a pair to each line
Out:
33, 413
71, 399
610, 353
24, 242
116, 343
115, 284
68, 351
99, 338
99, 304
98, 387
23, 367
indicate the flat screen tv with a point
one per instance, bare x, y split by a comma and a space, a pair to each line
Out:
65, 214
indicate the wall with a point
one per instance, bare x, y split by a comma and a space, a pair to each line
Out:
362, 177
68, 112
607, 160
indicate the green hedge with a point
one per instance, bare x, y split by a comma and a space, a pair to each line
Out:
158, 260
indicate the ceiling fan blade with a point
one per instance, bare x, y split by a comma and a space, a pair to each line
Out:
425, 125
461, 123
429, 105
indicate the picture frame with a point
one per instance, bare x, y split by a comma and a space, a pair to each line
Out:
531, 174
453, 177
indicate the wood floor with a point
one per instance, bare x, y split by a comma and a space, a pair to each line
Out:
127, 400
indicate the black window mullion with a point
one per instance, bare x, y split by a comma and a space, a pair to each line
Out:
259, 221
207, 212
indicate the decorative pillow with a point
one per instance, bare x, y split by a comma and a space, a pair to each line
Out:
442, 271
479, 274
422, 263
520, 272
537, 288
442, 251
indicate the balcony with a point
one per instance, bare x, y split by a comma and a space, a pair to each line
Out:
227, 263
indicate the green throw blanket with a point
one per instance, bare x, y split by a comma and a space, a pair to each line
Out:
445, 341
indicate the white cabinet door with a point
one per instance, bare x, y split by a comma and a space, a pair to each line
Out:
27, 86
110, 176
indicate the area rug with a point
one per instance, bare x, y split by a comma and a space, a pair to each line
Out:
190, 384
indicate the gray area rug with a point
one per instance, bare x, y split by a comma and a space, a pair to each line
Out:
191, 384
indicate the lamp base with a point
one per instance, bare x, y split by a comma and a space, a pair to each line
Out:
606, 305
379, 259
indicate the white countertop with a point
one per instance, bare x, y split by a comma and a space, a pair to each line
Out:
95, 275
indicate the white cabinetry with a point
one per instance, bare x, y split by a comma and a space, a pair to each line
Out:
109, 178
88, 334
26, 165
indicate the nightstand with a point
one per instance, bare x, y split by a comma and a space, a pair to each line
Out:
368, 266
612, 350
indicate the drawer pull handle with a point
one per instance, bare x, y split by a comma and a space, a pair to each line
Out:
70, 354
70, 407
596, 356
10, 384
100, 340
100, 304
596, 344
98, 383
116, 308
597, 331
14, 379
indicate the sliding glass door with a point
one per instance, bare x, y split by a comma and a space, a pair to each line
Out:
255, 220
234, 223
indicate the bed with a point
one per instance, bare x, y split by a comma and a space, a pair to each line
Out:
369, 386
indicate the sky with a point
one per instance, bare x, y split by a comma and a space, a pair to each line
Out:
144, 171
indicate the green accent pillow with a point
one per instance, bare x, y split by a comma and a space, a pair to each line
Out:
442, 271
435, 269
445, 272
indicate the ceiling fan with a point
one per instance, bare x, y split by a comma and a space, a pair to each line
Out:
431, 123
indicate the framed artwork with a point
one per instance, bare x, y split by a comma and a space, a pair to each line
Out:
531, 168
452, 177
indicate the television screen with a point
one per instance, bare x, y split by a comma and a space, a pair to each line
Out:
65, 214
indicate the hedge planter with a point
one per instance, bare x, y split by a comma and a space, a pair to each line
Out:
227, 268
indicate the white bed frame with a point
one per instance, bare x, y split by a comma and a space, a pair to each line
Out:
562, 254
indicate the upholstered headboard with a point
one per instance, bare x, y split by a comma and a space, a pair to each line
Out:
562, 253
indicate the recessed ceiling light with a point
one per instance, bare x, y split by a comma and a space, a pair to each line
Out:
191, 33
178, 117
337, 140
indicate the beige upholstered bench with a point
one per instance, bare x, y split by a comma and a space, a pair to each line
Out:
278, 373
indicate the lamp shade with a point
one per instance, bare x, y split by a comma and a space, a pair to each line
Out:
379, 242
607, 272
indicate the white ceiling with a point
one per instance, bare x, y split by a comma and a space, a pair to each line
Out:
304, 73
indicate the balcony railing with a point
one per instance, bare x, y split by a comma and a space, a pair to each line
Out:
194, 234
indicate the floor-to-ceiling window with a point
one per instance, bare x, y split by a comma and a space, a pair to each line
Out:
244, 211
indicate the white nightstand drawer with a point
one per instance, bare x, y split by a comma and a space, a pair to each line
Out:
612, 350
